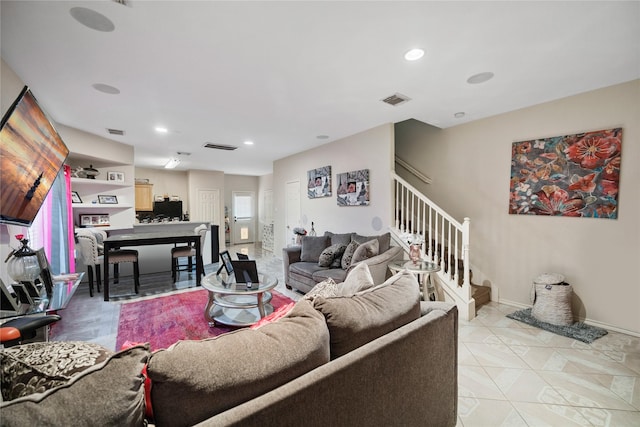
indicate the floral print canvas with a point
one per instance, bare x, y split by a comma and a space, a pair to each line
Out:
572, 175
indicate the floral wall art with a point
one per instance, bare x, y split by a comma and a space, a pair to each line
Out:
572, 175
353, 188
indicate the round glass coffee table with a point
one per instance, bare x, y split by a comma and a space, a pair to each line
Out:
423, 269
235, 304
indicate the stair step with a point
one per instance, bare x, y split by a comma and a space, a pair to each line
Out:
482, 294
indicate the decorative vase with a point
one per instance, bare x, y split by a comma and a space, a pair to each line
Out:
22, 265
414, 253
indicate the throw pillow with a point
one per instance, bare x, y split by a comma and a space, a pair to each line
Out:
326, 288
344, 238
330, 254
357, 280
357, 319
110, 393
348, 254
312, 247
364, 251
195, 380
384, 240
38, 367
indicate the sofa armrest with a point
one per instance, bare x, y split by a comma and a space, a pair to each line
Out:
290, 255
378, 264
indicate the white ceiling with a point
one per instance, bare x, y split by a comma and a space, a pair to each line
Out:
282, 73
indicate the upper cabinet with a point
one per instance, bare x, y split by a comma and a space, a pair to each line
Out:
144, 197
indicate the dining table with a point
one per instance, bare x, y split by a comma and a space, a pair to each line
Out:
118, 241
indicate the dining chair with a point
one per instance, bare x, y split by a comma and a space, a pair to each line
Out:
91, 252
188, 252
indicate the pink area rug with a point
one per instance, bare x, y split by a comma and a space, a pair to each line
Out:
166, 319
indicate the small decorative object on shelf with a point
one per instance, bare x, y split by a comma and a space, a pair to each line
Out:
115, 176
22, 264
75, 197
107, 200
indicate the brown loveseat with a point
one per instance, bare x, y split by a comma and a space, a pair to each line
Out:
378, 356
303, 268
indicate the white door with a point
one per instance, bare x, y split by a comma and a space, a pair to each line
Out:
207, 209
293, 211
243, 219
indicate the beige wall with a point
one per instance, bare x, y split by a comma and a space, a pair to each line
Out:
169, 182
373, 150
470, 167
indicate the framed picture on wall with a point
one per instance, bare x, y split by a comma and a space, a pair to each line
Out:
353, 188
75, 197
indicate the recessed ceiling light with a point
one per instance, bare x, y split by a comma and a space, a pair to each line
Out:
480, 78
92, 19
459, 115
414, 54
248, 143
160, 129
101, 87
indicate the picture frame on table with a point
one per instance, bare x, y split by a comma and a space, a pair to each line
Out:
107, 199
115, 176
75, 197
226, 263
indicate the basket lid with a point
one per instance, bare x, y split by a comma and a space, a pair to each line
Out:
549, 279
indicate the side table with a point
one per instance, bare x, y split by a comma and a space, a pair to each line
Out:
423, 269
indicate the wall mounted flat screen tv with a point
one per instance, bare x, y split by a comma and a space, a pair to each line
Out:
31, 155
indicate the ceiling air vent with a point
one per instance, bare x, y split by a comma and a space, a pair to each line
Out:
122, 2
396, 99
115, 132
220, 146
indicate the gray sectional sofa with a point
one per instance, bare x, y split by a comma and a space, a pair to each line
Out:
303, 269
344, 355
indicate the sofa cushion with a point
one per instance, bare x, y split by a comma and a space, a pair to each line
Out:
357, 280
331, 253
37, 367
344, 238
365, 250
384, 241
336, 274
110, 393
312, 247
194, 380
357, 319
348, 254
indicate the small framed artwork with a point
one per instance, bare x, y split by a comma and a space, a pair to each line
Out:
107, 200
226, 262
319, 182
75, 197
115, 176
94, 220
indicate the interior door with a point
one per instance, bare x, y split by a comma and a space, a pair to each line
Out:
293, 211
244, 222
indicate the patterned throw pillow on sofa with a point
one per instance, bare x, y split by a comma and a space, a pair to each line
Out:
330, 254
348, 254
365, 251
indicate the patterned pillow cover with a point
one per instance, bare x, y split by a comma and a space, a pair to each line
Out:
329, 255
37, 367
348, 254
327, 288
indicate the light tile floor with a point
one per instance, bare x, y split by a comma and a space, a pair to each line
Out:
510, 373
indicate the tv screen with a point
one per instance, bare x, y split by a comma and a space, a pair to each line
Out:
31, 155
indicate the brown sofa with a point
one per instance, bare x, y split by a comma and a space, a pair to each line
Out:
379, 356
302, 270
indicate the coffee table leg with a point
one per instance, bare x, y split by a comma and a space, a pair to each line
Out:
207, 311
261, 305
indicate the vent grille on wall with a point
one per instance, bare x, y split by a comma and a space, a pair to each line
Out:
220, 146
115, 132
396, 99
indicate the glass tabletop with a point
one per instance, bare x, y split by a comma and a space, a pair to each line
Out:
225, 284
419, 267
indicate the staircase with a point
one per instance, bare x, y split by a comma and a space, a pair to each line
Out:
445, 242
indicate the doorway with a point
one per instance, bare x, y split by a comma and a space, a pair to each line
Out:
243, 215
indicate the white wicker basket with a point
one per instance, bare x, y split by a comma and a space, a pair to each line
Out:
552, 302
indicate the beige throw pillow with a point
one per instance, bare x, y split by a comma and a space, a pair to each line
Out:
357, 280
365, 250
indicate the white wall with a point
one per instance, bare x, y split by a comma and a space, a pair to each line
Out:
373, 150
470, 167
